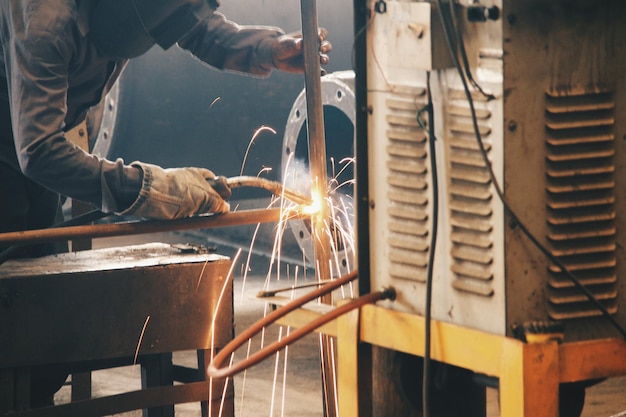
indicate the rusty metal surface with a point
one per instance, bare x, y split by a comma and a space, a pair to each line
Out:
551, 131
112, 303
564, 79
319, 184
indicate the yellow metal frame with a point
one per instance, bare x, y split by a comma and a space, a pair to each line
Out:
529, 373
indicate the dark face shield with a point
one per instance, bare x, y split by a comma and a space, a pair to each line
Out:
128, 28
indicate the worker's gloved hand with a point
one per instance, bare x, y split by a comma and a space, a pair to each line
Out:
176, 193
287, 51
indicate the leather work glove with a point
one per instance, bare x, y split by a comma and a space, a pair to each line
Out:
287, 51
176, 193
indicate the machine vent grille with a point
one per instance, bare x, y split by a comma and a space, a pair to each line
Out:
407, 179
470, 197
581, 200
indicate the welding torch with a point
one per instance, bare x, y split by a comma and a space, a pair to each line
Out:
276, 188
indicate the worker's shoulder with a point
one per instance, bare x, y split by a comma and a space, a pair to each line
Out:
46, 16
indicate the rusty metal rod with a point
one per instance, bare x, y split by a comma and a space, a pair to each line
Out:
61, 232
214, 369
238, 218
319, 183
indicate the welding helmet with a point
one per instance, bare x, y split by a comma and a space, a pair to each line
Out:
127, 28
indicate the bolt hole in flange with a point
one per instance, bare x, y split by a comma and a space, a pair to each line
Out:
338, 102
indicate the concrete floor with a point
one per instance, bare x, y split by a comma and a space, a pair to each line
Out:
268, 389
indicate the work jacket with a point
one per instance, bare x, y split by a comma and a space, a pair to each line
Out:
51, 74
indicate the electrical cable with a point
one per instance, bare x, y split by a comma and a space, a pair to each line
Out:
461, 51
214, 370
447, 34
426, 376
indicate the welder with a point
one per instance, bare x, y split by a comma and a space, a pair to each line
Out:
59, 58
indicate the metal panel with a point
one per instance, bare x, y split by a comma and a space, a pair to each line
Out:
469, 261
564, 169
550, 130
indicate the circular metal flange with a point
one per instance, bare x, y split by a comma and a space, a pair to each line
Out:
101, 122
338, 100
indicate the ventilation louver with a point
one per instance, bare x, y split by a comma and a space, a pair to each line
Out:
407, 178
470, 196
581, 200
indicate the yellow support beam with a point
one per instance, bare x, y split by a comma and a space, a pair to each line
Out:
404, 332
529, 379
529, 373
347, 364
601, 358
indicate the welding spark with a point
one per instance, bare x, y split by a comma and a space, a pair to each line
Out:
254, 136
143, 331
214, 318
249, 258
224, 391
219, 300
338, 227
285, 376
201, 274
340, 186
274, 382
245, 373
214, 101
264, 170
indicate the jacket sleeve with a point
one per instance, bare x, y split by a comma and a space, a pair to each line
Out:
37, 63
228, 46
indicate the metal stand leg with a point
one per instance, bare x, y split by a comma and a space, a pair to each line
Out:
204, 358
529, 382
156, 371
81, 386
348, 360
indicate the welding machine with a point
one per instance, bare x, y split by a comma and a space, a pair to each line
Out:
546, 80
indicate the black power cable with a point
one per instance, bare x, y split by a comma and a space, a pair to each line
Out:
426, 375
461, 50
449, 41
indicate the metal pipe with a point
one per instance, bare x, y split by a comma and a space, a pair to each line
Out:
238, 218
319, 182
214, 369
